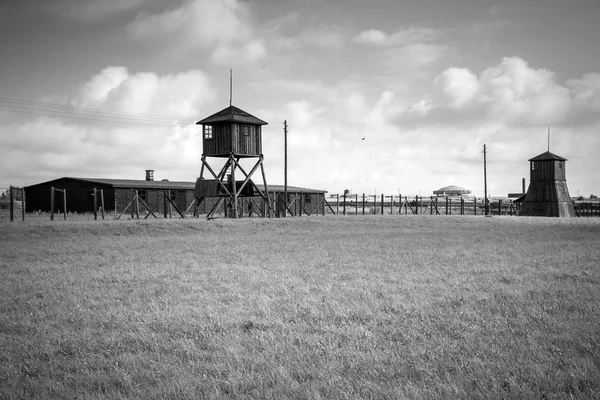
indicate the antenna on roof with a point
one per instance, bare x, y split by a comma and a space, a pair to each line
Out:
548, 139
230, 85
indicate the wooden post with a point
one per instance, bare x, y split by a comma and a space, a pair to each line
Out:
301, 202
11, 204
102, 202
344, 207
382, 202
23, 204
430, 205
234, 206
64, 192
450, 206
462, 206
446, 205
392, 204
475, 205
52, 203
171, 208
499, 207
363, 204
95, 204
416, 204
356, 204
296, 204
337, 204
132, 204
285, 167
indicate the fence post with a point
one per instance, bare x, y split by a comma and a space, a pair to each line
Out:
23, 204
337, 204
363, 204
450, 206
52, 203
11, 204
446, 205
392, 204
165, 203
475, 205
344, 204
381, 203
356, 204
301, 204
416, 204
132, 204
65, 203
102, 202
499, 207
95, 204
462, 206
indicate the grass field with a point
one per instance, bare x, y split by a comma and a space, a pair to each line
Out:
303, 308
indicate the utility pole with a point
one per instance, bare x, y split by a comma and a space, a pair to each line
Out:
485, 179
285, 191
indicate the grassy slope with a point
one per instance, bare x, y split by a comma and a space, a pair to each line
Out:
329, 307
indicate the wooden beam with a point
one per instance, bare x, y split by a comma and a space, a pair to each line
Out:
95, 204
209, 215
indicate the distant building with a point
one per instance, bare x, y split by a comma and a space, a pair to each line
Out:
451, 190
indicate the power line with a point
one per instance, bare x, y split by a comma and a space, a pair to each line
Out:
124, 117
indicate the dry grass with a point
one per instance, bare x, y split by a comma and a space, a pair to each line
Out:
328, 307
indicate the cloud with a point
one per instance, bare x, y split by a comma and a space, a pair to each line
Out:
459, 86
413, 57
223, 26
114, 88
511, 91
586, 91
89, 11
116, 124
376, 37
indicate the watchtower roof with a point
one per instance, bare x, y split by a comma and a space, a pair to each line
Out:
548, 156
232, 114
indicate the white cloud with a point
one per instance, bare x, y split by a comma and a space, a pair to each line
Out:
116, 141
459, 85
223, 26
413, 56
511, 91
114, 88
403, 37
586, 91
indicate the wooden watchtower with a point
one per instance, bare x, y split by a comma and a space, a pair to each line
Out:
548, 194
231, 134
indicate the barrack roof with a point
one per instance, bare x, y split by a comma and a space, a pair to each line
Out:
547, 156
170, 185
232, 114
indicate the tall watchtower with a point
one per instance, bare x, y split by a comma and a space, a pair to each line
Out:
231, 134
548, 194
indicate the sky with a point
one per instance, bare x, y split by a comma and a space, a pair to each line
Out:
382, 96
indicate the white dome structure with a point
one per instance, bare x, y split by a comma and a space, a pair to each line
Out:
451, 190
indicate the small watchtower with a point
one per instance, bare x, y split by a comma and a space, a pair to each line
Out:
231, 134
548, 194
232, 131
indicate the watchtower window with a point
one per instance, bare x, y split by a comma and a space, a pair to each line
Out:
208, 133
246, 130
560, 166
533, 165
